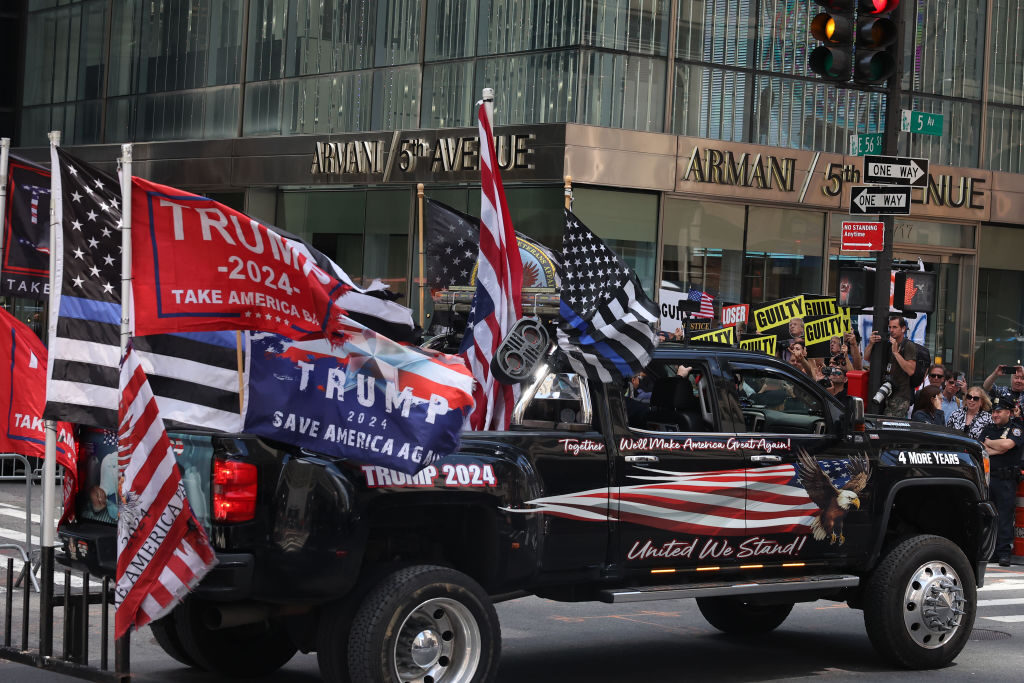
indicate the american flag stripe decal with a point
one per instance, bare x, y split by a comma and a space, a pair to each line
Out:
718, 503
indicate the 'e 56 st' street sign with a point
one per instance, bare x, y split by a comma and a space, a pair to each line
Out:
896, 171
880, 199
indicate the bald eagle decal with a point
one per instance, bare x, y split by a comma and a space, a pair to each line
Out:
834, 502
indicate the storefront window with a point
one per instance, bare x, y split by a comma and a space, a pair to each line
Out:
784, 254
704, 246
627, 222
999, 329
365, 232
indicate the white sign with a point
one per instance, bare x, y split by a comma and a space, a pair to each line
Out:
672, 318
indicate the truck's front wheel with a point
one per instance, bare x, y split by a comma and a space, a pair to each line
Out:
920, 602
425, 623
739, 618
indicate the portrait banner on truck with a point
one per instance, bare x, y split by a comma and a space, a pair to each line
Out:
369, 399
201, 266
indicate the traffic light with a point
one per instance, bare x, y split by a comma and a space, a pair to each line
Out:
875, 58
835, 29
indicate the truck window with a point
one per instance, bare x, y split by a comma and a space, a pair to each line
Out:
669, 398
557, 404
773, 402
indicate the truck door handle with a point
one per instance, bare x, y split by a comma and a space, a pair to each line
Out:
765, 458
641, 458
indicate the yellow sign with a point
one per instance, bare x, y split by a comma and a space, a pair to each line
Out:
724, 335
847, 319
765, 344
779, 313
820, 307
824, 329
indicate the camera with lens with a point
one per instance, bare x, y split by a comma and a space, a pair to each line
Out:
883, 393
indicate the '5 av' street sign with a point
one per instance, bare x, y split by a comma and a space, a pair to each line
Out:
880, 199
896, 171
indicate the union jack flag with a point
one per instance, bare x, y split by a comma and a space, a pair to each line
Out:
707, 306
719, 503
162, 551
497, 303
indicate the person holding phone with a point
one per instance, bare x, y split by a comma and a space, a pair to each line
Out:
1015, 392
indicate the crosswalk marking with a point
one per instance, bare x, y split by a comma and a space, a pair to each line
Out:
1001, 602
1009, 619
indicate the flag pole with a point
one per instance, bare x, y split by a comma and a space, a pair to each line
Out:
122, 645
5, 153
241, 372
126, 244
568, 193
47, 537
423, 279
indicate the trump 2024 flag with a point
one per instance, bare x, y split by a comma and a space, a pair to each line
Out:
201, 266
23, 389
369, 399
162, 550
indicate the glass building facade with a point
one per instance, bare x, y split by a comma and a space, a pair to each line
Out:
732, 71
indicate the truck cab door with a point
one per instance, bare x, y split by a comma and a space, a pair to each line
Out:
678, 491
808, 485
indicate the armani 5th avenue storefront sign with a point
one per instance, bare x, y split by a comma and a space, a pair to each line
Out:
430, 155
816, 179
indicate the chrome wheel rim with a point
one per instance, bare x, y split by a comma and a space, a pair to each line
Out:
438, 642
933, 605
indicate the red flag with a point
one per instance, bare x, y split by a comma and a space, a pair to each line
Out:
162, 550
24, 358
199, 265
497, 304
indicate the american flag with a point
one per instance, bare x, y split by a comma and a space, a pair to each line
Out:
718, 503
606, 330
497, 303
707, 306
162, 550
194, 376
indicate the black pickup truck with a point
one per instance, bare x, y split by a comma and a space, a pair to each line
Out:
738, 482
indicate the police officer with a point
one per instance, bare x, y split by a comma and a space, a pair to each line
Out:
1003, 440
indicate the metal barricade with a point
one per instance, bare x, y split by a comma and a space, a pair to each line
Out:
30, 563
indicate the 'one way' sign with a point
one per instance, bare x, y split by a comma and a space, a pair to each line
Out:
896, 171
880, 199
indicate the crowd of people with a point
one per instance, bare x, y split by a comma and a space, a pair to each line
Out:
990, 413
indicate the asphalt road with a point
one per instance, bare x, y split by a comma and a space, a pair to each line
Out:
548, 642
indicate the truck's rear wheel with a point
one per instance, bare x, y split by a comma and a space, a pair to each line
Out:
243, 651
737, 617
166, 634
920, 603
425, 623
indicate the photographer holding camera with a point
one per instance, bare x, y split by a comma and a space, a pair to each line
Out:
902, 364
1015, 392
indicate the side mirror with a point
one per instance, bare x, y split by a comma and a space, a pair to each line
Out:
857, 413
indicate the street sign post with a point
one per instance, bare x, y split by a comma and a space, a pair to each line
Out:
893, 200
896, 171
862, 236
869, 143
921, 122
